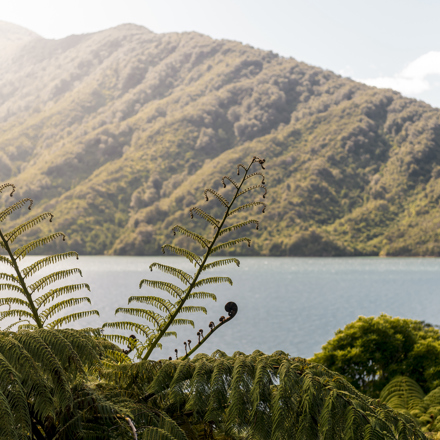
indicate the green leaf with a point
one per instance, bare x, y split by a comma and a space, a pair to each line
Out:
16, 232
70, 318
9, 277
200, 295
212, 280
402, 393
7, 185
17, 301
150, 316
238, 226
52, 278
229, 244
252, 188
183, 322
17, 205
15, 313
162, 304
42, 300
220, 263
230, 180
258, 173
59, 306
247, 205
127, 325
204, 242
6, 260
217, 196
193, 309
195, 210
173, 290
21, 252
186, 278
43, 262
191, 256
11, 287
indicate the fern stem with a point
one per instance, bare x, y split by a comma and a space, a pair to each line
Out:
200, 269
194, 349
22, 282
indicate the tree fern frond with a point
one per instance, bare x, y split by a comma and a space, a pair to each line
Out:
217, 196
191, 256
9, 277
229, 244
8, 185
178, 321
59, 291
212, 280
11, 287
173, 290
402, 393
15, 313
186, 278
238, 226
43, 355
200, 295
52, 278
15, 396
128, 325
120, 339
220, 263
17, 205
258, 173
11, 326
6, 260
230, 180
43, 262
252, 188
204, 215
30, 327
162, 304
33, 378
193, 309
118, 356
61, 305
16, 232
21, 252
142, 313
16, 301
247, 205
70, 318
204, 242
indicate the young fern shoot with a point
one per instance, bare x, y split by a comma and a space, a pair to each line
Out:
34, 305
168, 311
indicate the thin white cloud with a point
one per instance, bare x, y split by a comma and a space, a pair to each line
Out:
414, 79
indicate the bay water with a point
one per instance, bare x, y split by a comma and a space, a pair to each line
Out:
289, 304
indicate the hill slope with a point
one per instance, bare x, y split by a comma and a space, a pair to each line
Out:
118, 132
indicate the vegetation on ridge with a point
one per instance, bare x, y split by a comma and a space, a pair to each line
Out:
117, 131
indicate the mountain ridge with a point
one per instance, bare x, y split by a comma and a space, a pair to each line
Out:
117, 132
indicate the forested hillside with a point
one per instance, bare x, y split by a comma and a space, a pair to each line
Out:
118, 132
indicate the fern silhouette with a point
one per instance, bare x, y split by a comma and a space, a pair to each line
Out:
168, 311
34, 305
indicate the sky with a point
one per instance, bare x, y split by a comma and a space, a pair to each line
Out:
385, 43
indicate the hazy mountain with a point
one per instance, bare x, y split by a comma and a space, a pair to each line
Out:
118, 132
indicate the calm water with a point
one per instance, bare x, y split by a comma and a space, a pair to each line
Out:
290, 304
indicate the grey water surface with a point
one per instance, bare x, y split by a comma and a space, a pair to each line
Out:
289, 304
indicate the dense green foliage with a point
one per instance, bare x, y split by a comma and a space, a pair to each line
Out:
370, 352
116, 132
65, 384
